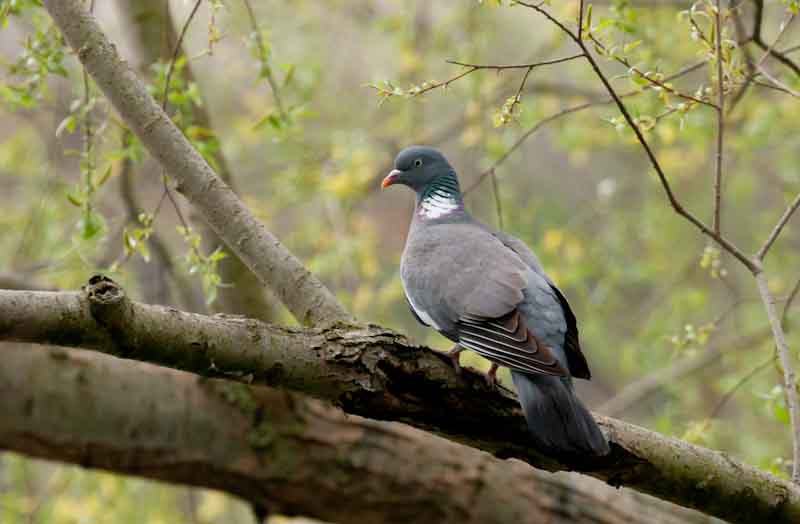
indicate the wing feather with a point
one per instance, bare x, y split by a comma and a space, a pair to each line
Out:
509, 342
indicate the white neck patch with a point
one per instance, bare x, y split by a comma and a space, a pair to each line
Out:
437, 205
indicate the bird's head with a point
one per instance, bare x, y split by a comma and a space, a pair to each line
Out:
417, 167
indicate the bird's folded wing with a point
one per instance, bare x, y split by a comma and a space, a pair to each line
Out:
507, 341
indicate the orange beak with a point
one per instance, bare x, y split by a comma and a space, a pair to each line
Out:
391, 178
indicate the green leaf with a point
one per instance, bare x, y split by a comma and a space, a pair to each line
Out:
104, 177
90, 225
74, 200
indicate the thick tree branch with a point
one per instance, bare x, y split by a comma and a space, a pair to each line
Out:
268, 446
304, 295
376, 373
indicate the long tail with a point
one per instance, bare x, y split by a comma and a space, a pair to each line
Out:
558, 421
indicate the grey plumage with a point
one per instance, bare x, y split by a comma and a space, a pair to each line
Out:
487, 291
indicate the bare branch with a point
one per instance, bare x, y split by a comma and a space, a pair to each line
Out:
738, 385
758, 19
789, 378
720, 108
523, 138
497, 67
304, 295
788, 305
776, 84
268, 447
778, 227
373, 372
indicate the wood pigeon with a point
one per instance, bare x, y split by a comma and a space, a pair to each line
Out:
487, 292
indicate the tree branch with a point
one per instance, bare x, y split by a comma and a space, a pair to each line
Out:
242, 294
376, 373
757, 38
789, 377
304, 295
268, 447
779, 227
720, 109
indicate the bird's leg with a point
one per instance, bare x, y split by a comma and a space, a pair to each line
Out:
491, 376
455, 356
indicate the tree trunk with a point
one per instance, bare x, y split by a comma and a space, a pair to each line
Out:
283, 452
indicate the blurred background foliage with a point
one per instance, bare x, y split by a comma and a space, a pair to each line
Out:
668, 320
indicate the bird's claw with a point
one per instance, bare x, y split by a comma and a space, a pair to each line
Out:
491, 376
455, 358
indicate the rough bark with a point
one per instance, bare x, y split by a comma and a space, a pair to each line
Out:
366, 370
271, 448
373, 372
302, 293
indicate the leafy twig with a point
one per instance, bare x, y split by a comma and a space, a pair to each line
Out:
388, 90
676, 205
720, 108
649, 78
262, 52
574, 109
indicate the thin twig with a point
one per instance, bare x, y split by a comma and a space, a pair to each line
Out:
637, 391
748, 60
716, 224
758, 20
498, 205
497, 67
165, 96
524, 137
788, 305
676, 205
574, 109
787, 214
262, 50
741, 382
770, 50
176, 51
471, 68
776, 84
658, 83
88, 138
789, 378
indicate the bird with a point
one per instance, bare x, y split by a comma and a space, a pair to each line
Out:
486, 291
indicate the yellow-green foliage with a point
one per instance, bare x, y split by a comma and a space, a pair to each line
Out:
648, 290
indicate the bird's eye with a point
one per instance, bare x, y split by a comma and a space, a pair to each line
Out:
417, 162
